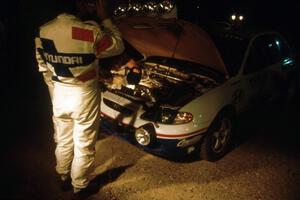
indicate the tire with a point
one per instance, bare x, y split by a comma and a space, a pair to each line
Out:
218, 139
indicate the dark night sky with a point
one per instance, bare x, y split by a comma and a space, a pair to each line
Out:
23, 88
283, 15
279, 15
24, 96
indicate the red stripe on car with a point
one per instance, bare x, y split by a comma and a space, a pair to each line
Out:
82, 34
181, 135
103, 44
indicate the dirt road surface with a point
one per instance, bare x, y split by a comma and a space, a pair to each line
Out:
265, 164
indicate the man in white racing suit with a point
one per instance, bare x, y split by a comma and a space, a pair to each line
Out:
67, 52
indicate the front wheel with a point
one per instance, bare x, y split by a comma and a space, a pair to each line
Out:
217, 142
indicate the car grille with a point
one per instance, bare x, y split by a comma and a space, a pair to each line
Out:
117, 107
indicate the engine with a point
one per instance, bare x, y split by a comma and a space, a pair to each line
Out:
165, 85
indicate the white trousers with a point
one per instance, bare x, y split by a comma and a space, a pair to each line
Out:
77, 113
48, 80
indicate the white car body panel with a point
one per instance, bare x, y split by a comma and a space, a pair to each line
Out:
239, 92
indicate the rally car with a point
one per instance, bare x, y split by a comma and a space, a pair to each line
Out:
193, 84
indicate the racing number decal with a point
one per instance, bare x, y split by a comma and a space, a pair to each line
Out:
237, 96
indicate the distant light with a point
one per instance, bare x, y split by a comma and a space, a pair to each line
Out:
233, 17
241, 17
151, 6
120, 10
137, 6
166, 5
198, 7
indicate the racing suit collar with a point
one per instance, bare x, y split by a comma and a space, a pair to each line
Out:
66, 15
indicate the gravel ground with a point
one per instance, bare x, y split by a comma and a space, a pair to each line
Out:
263, 165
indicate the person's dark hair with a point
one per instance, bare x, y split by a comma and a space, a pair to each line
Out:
87, 10
84, 9
66, 6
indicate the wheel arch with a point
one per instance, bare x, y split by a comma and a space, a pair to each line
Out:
228, 109
205, 151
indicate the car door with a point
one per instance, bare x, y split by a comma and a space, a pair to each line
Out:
263, 58
282, 71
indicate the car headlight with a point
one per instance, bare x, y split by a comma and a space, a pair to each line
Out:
169, 116
183, 117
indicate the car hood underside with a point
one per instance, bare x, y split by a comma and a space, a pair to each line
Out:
172, 38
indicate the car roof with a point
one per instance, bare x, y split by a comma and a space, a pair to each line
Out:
171, 38
232, 42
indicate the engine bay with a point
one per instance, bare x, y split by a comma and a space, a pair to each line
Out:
163, 84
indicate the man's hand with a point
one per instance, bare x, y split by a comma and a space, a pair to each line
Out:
102, 9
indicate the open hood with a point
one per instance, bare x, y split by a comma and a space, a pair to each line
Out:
171, 38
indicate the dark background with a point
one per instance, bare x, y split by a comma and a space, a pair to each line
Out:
22, 88
24, 95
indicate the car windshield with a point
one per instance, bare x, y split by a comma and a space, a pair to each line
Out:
232, 49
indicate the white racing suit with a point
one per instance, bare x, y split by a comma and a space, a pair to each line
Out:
67, 50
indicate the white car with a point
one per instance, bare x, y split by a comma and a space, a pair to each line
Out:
193, 85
